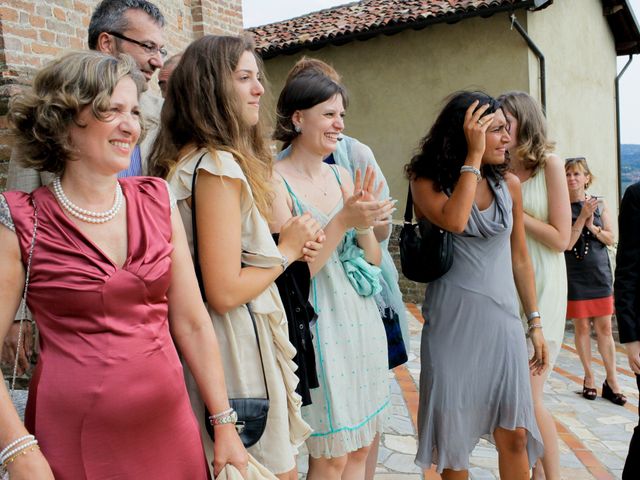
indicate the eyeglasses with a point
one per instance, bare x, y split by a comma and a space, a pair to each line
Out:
149, 48
571, 160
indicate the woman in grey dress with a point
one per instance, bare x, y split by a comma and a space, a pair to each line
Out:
474, 380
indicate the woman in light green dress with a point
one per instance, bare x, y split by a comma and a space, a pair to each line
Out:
547, 225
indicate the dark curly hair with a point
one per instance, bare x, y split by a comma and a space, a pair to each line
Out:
443, 150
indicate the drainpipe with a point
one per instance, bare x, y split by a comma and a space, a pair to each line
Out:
534, 48
619, 141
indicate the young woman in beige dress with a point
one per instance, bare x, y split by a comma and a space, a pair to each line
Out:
211, 116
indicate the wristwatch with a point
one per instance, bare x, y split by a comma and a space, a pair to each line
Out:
231, 417
284, 262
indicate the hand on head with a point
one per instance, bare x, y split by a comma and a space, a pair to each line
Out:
475, 128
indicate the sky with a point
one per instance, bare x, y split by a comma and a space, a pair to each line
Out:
260, 12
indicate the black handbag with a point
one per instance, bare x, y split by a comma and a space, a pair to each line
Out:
252, 412
396, 349
426, 250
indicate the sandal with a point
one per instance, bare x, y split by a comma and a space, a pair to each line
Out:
617, 398
588, 392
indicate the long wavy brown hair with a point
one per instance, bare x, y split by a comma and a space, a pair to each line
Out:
202, 110
533, 143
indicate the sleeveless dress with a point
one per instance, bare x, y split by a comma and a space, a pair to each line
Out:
107, 398
285, 430
354, 155
590, 282
549, 268
350, 346
474, 366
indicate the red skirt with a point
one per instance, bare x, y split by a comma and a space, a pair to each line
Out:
596, 307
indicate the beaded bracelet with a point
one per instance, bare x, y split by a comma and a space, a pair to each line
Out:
535, 325
5, 458
16, 442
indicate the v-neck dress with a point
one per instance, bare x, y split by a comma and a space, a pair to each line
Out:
107, 398
474, 373
350, 347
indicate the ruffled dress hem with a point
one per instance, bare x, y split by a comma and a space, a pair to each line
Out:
350, 439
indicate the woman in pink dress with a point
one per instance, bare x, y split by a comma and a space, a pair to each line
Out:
111, 281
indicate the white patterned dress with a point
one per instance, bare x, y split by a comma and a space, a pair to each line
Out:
350, 343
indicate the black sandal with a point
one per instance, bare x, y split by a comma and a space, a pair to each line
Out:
589, 393
617, 398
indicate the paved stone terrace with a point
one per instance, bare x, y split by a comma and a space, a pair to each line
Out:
594, 435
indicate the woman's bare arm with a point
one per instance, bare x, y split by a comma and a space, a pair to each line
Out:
557, 232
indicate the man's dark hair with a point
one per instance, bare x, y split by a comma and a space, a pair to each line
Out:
109, 16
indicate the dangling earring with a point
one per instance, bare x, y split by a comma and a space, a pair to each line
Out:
297, 128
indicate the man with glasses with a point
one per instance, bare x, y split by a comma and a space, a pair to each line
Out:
134, 27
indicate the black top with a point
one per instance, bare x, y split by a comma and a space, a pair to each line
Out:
588, 268
627, 283
294, 285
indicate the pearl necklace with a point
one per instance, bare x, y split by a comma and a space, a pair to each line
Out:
83, 214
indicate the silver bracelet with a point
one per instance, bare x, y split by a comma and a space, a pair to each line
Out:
222, 413
532, 315
470, 169
222, 418
284, 262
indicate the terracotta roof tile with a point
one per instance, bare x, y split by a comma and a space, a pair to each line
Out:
368, 17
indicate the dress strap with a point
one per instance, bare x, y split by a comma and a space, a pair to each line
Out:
297, 206
334, 169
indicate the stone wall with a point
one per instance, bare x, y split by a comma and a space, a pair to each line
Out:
33, 32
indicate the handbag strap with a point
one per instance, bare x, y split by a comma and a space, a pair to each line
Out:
196, 256
23, 302
196, 264
408, 210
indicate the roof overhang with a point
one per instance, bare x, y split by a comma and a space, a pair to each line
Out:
269, 44
623, 25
